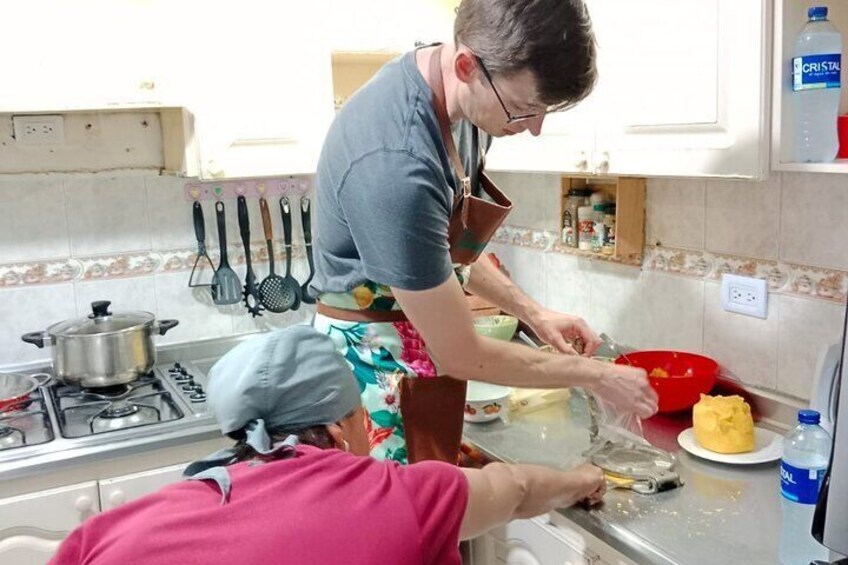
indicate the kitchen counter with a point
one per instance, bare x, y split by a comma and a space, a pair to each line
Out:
722, 514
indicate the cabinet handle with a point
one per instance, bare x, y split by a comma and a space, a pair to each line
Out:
117, 498
84, 504
582, 163
603, 165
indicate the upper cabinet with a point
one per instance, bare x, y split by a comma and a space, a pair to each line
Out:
789, 17
682, 91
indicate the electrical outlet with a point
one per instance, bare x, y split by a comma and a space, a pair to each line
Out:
744, 295
39, 130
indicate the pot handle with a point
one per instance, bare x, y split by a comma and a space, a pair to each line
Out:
36, 338
162, 326
42, 378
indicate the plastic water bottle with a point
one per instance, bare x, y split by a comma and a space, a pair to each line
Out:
806, 453
816, 85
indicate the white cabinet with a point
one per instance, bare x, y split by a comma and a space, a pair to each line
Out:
116, 491
539, 541
682, 91
33, 525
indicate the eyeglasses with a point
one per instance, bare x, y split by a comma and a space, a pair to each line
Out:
509, 117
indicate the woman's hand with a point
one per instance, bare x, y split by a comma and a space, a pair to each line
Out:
562, 330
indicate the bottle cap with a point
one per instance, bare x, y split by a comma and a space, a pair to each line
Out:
817, 12
809, 417
599, 207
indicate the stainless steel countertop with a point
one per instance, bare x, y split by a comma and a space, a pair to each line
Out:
723, 514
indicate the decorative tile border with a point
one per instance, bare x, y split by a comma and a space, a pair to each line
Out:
784, 278
139, 264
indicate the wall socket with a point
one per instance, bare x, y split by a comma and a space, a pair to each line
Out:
744, 295
39, 129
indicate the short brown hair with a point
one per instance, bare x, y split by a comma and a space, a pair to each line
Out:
551, 38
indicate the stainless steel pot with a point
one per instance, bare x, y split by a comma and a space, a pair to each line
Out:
102, 349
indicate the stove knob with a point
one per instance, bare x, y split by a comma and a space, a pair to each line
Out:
175, 369
198, 397
183, 377
190, 387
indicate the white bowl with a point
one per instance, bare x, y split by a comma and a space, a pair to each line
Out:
485, 402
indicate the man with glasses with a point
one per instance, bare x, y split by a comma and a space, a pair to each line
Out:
396, 234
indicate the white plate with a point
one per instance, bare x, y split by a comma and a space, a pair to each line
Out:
768, 446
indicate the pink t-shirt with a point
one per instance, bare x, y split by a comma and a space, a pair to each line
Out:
321, 507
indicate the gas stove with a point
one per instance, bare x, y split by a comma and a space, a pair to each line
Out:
60, 423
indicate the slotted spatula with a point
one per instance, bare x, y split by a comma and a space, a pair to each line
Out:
226, 285
293, 292
274, 290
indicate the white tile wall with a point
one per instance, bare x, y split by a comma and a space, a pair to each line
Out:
107, 215
675, 212
746, 346
741, 217
525, 267
31, 309
32, 219
673, 310
137, 293
199, 317
806, 327
567, 284
535, 198
814, 220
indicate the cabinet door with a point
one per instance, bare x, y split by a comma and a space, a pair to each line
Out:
66, 55
682, 87
259, 85
566, 145
118, 490
33, 525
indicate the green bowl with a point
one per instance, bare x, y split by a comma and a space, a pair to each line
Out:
496, 327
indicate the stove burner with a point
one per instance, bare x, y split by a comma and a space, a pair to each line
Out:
138, 403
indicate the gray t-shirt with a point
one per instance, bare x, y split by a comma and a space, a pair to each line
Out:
385, 187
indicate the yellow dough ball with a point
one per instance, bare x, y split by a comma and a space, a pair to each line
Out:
723, 424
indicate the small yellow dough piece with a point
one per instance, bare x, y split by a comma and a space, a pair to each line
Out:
723, 424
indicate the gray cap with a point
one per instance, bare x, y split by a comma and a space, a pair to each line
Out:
291, 379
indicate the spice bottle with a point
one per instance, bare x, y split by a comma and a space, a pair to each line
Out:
575, 199
585, 227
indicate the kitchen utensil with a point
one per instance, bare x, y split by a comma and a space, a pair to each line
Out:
202, 254
679, 378
306, 224
104, 348
613, 345
15, 388
274, 288
497, 327
639, 467
293, 294
226, 286
485, 401
768, 446
252, 299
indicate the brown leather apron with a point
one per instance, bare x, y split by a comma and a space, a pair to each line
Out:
432, 408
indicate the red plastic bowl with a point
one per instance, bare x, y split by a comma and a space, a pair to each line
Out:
689, 376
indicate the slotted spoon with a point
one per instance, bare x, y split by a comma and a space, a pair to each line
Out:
273, 290
251, 290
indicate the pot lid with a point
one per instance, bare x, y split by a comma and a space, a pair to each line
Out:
101, 321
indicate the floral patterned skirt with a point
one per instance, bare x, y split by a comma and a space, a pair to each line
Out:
379, 354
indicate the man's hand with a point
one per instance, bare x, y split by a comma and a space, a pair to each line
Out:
561, 330
627, 388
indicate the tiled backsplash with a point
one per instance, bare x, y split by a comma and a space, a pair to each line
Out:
66, 240
790, 229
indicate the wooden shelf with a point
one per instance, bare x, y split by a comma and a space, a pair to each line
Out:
838, 166
628, 193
